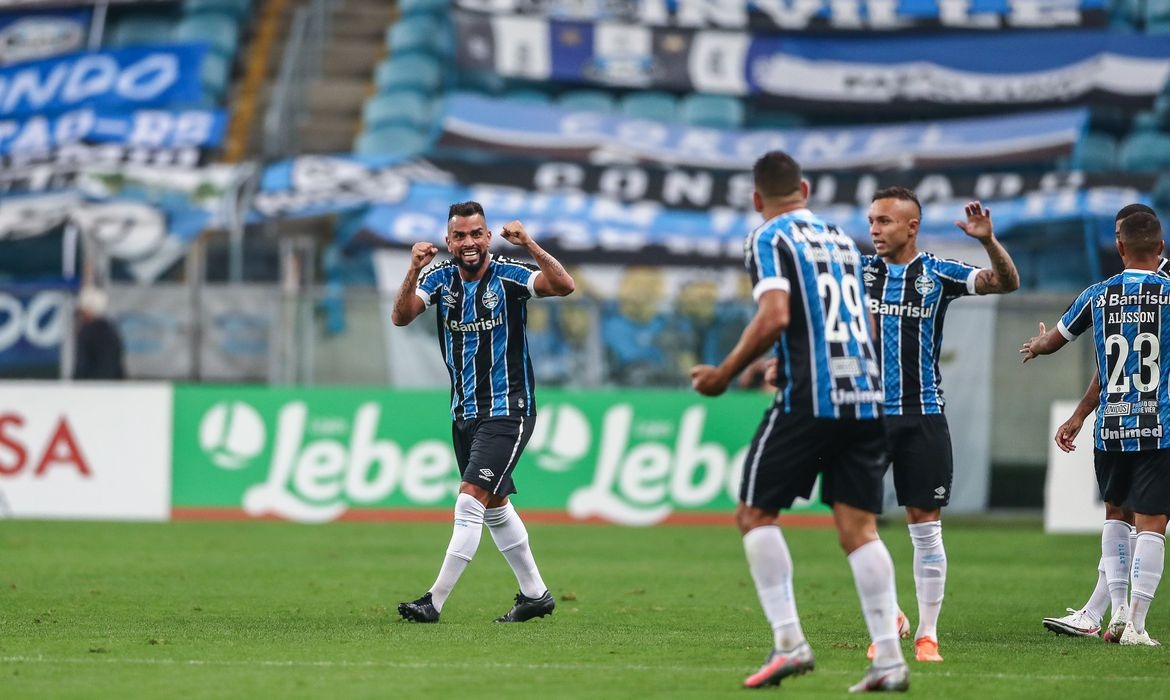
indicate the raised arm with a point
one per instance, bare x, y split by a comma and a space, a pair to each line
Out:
761, 332
554, 280
1046, 343
408, 305
1002, 276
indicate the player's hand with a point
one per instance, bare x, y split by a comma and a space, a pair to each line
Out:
422, 254
1026, 348
978, 223
708, 380
1067, 433
515, 234
771, 371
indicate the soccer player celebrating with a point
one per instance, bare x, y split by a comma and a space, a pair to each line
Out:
824, 420
480, 307
1117, 534
1129, 315
909, 291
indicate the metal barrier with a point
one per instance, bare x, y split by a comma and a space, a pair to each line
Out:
300, 64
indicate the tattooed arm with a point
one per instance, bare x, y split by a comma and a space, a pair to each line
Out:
1002, 276
408, 305
554, 280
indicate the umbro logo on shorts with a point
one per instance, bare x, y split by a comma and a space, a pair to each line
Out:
486, 473
940, 492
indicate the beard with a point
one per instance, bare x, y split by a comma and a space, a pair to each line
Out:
470, 267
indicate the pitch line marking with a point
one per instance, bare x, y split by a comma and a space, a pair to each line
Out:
295, 663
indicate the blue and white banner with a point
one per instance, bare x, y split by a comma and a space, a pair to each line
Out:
59, 168
891, 73
540, 131
820, 15
36, 135
128, 78
585, 228
33, 319
33, 35
38, 4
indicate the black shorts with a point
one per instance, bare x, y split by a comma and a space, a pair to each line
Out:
788, 451
920, 454
1137, 480
487, 449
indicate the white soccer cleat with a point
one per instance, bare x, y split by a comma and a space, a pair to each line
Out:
1117, 624
883, 680
1132, 638
1076, 623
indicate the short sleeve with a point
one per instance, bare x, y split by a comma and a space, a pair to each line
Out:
522, 274
1079, 317
770, 262
958, 278
429, 288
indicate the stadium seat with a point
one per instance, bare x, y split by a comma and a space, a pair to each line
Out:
652, 105
413, 7
1145, 120
1145, 151
220, 32
1095, 152
403, 108
1161, 195
587, 101
392, 141
416, 71
239, 9
1157, 12
421, 33
483, 81
135, 30
772, 119
528, 96
717, 111
214, 75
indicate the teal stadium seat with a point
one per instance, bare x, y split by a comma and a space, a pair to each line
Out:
413, 71
220, 32
420, 34
482, 81
1161, 195
1145, 151
402, 108
528, 96
587, 101
1096, 152
716, 111
214, 75
1157, 14
137, 30
238, 9
392, 141
413, 7
653, 105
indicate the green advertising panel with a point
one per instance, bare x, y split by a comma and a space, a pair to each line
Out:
314, 454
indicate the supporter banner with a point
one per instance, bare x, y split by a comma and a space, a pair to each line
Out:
585, 228
59, 168
317, 455
548, 132
95, 451
695, 188
33, 319
27, 37
38, 135
37, 4
819, 15
1020, 69
124, 78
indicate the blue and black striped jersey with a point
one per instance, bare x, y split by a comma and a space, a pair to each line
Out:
481, 334
910, 302
1129, 314
826, 364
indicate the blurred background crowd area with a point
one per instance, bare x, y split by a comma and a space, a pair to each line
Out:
244, 177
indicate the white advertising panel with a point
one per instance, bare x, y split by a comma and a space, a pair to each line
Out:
99, 451
1072, 502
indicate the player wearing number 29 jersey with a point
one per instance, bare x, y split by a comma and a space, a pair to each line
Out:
1129, 315
826, 364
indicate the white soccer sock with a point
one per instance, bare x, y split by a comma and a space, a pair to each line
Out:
873, 574
1099, 600
464, 542
1149, 557
511, 537
771, 567
930, 575
1115, 557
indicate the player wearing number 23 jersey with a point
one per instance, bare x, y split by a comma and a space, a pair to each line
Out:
1129, 315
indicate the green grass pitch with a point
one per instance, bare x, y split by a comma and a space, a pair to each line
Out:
273, 610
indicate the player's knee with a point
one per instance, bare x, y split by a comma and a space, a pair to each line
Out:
480, 494
748, 518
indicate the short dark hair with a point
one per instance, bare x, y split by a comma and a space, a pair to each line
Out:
468, 208
1141, 233
903, 193
776, 174
1131, 209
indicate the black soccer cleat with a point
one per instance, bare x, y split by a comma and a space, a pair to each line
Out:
527, 608
421, 610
